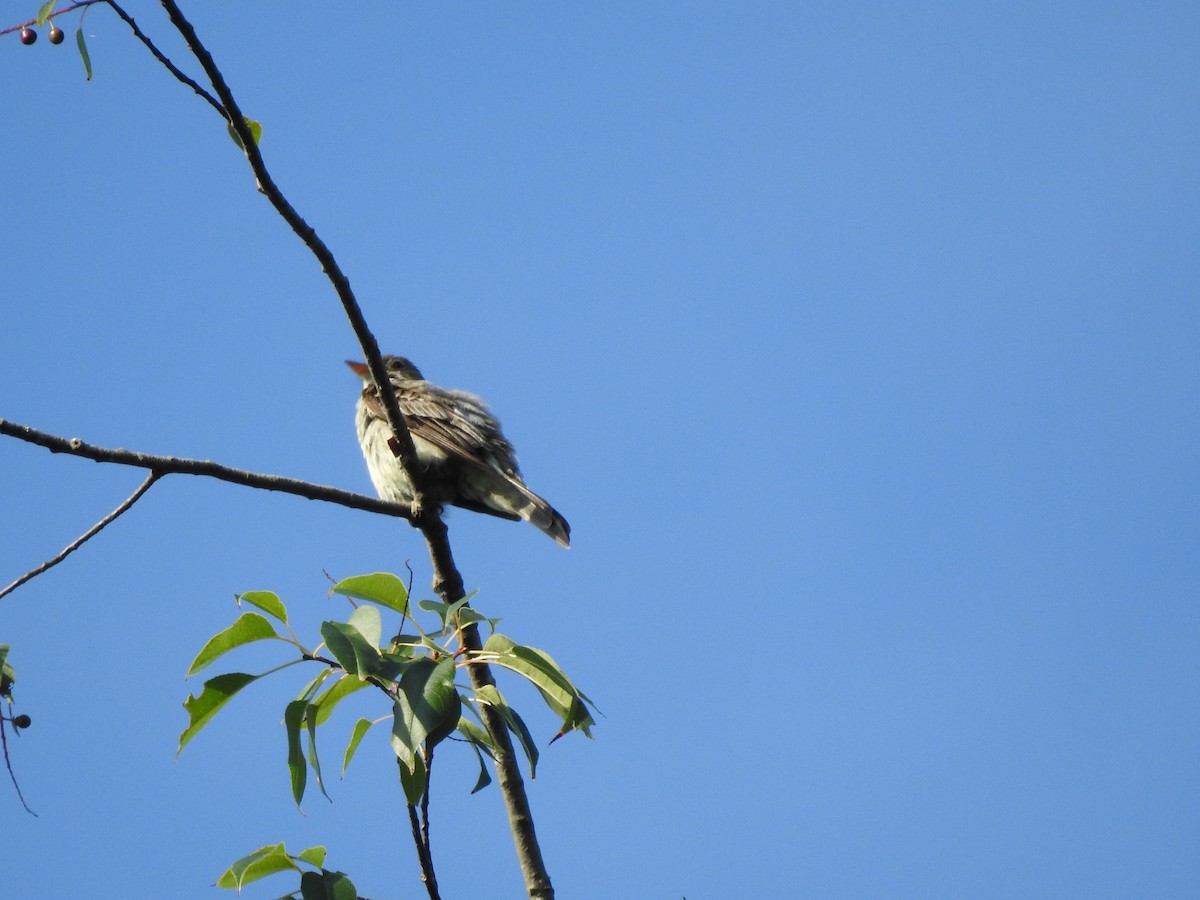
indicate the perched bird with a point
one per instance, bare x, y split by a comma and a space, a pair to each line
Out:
467, 461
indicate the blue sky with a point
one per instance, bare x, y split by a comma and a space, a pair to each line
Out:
856, 341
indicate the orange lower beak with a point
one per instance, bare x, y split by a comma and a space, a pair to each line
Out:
360, 369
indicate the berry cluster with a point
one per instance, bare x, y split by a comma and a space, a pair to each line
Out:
29, 36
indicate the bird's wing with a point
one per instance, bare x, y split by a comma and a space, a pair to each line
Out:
435, 418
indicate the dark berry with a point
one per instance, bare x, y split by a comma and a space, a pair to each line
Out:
55, 35
22, 721
28, 36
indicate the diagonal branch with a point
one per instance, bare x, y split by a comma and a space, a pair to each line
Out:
161, 57
86, 536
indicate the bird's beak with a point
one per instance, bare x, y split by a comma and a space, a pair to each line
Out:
360, 369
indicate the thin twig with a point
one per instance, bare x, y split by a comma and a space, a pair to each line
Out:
8, 763
161, 57
173, 465
86, 536
425, 807
427, 873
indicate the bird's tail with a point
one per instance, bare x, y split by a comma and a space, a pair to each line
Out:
537, 512
501, 494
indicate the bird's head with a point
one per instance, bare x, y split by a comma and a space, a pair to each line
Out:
398, 369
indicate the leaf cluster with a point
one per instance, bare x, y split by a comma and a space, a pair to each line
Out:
316, 883
416, 669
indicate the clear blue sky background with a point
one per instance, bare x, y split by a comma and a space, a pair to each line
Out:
857, 341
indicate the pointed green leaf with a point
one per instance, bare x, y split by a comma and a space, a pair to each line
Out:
217, 692
460, 603
248, 628
555, 687
427, 706
436, 607
310, 719
491, 695
414, 782
267, 601
259, 864
361, 727
293, 716
43, 14
485, 777
83, 53
352, 651
310, 690
473, 734
470, 616
367, 622
381, 587
313, 855
334, 694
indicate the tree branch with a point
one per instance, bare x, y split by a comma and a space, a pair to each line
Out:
161, 57
85, 537
173, 465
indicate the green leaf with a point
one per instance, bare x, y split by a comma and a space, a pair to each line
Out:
217, 692
447, 611
43, 15
391, 665
470, 616
481, 743
267, 601
310, 689
427, 706
255, 131
381, 587
367, 622
437, 607
293, 716
555, 687
361, 727
491, 695
419, 640
259, 864
310, 718
334, 694
473, 734
83, 53
414, 782
8, 674
352, 651
326, 885
313, 855
460, 603
248, 628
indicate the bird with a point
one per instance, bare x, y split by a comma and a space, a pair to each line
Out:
466, 460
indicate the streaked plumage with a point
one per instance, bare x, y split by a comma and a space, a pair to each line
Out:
468, 462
